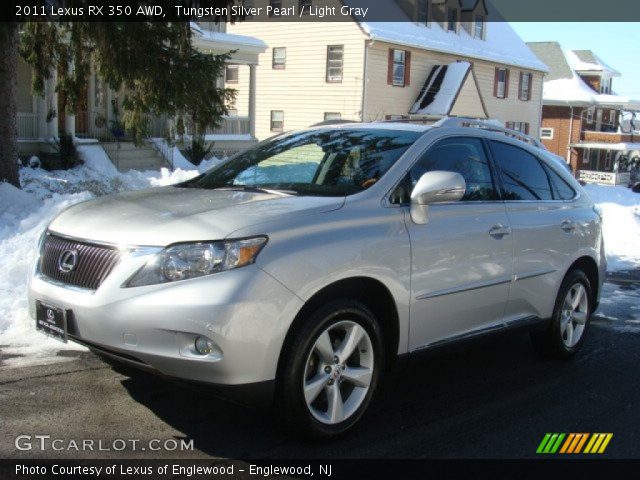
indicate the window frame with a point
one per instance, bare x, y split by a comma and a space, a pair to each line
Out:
271, 121
324, 116
479, 20
453, 21
549, 129
406, 66
274, 64
232, 66
423, 12
328, 66
589, 116
522, 127
521, 90
303, 3
274, 4
496, 85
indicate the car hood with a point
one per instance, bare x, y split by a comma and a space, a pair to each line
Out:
162, 216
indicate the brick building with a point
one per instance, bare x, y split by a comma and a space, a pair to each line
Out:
583, 120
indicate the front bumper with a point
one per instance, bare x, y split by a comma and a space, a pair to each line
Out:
245, 312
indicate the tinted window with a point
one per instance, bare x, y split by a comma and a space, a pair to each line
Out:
522, 175
465, 156
561, 189
332, 162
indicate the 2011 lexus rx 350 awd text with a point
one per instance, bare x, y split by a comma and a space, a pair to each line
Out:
300, 270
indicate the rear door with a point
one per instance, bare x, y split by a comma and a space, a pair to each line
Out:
462, 257
543, 227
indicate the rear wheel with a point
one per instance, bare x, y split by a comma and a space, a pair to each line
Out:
570, 320
332, 369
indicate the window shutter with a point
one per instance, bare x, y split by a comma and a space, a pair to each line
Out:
506, 83
520, 84
495, 83
390, 68
530, 86
407, 68
526, 128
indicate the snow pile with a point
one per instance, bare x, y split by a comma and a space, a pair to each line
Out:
22, 221
621, 219
24, 214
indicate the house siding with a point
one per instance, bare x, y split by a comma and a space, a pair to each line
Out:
564, 134
300, 90
382, 99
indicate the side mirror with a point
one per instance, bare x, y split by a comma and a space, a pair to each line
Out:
435, 187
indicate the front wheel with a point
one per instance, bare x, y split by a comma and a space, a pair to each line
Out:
332, 369
570, 320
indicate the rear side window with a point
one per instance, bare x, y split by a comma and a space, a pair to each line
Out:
522, 174
561, 189
463, 155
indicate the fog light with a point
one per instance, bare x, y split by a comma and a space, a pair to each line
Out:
203, 345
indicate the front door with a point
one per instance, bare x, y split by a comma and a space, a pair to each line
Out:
462, 257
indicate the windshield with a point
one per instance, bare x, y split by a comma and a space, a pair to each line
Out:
332, 162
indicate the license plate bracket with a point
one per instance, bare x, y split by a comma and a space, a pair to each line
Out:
51, 320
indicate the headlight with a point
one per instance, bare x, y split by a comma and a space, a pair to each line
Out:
191, 260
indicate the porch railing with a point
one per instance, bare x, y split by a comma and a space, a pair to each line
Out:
95, 125
604, 178
27, 125
231, 126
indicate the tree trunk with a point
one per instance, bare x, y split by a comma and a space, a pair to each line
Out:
8, 103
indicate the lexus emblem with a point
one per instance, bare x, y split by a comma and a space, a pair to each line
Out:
67, 261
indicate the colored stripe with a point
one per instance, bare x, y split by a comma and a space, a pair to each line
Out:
550, 443
604, 445
582, 442
543, 443
591, 442
557, 444
567, 443
574, 443
599, 440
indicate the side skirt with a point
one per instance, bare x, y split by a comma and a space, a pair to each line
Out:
458, 342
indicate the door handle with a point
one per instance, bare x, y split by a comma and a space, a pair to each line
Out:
499, 231
568, 226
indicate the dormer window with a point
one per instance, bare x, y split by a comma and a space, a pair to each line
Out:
423, 12
452, 19
605, 85
478, 27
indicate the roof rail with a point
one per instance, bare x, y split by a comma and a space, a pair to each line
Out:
489, 126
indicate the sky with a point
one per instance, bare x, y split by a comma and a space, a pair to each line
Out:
616, 43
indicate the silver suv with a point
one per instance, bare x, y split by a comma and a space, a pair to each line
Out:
300, 270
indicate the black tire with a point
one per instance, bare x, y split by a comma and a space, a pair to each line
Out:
291, 401
549, 342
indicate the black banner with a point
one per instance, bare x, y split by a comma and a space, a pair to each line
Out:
317, 469
316, 10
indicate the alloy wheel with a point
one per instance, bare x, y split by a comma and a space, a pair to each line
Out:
338, 372
574, 315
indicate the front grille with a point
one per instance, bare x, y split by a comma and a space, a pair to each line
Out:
93, 263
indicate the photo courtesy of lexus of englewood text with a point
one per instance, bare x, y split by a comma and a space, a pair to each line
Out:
339, 239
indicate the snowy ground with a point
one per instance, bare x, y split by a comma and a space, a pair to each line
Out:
621, 217
25, 213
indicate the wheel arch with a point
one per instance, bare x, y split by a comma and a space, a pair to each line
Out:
589, 266
372, 293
